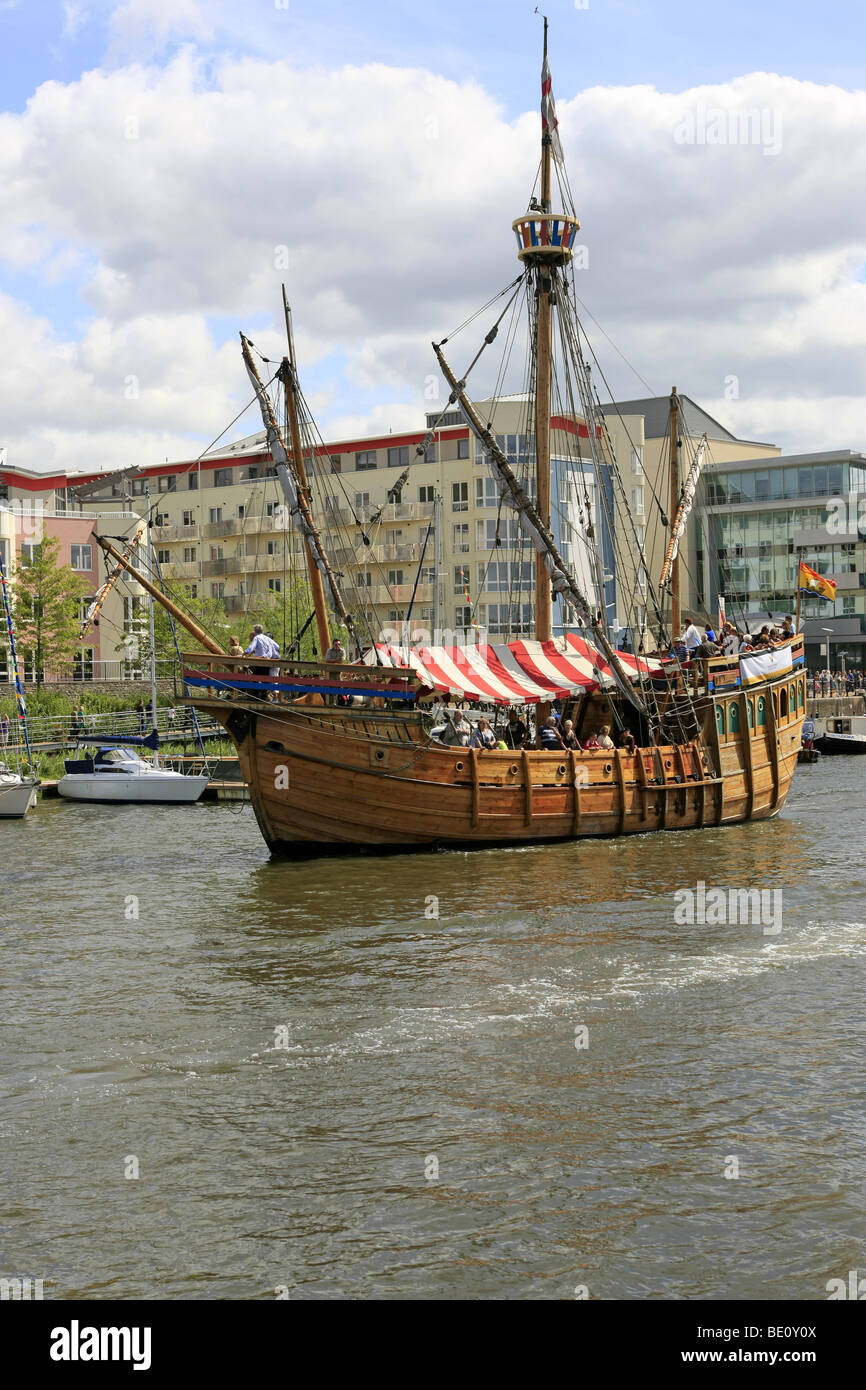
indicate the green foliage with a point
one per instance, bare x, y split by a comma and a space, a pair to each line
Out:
282, 615
47, 598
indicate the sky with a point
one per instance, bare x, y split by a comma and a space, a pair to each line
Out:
167, 164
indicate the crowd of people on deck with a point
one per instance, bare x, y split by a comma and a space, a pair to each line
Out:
729, 641
555, 734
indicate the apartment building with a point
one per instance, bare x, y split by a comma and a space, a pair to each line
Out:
765, 517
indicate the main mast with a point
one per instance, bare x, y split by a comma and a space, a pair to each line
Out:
543, 606
545, 240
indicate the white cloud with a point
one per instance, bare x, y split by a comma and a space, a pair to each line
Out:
178, 194
141, 28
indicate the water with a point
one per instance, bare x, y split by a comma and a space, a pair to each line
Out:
289, 1051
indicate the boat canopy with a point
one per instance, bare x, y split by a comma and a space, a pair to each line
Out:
513, 673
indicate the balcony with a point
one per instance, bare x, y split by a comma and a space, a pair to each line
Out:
398, 595
174, 533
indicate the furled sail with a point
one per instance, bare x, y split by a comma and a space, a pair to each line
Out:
687, 499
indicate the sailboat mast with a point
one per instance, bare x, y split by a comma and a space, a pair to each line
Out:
676, 618
543, 606
289, 378
152, 628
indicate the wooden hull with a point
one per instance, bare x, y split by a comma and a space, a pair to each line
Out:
325, 779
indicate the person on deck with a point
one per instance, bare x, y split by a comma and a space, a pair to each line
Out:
592, 742
459, 732
262, 645
549, 735
604, 738
336, 651
235, 648
691, 635
515, 732
483, 737
628, 741
568, 736
787, 627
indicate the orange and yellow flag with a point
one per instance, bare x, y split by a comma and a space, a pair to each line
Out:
816, 584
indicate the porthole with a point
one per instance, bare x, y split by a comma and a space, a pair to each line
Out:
513, 769
458, 767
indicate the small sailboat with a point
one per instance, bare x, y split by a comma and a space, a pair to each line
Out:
116, 771
18, 787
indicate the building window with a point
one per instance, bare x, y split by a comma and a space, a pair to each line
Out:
164, 557
273, 548
506, 576
463, 615
428, 574
222, 477
365, 459
461, 538
167, 483
364, 579
160, 519
637, 461
399, 456
463, 448
461, 579
82, 557
192, 480
637, 501
486, 492
188, 554
187, 519
427, 493
509, 534
26, 557
430, 453
217, 590
242, 511
250, 474
336, 463
362, 501
193, 589
275, 586
460, 497
504, 619
395, 577
134, 613
216, 515
216, 552
394, 535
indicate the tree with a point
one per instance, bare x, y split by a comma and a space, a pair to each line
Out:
47, 603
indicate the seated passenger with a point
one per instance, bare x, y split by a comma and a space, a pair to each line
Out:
483, 736
568, 736
515, 733
459, 730
549, 735
604, 738
592, 741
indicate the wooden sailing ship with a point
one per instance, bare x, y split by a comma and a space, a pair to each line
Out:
716, 741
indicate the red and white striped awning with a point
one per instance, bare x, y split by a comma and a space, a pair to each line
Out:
514, 673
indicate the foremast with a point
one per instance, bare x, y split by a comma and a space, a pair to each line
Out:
292, 477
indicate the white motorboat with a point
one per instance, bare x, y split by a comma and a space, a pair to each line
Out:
17, 793
120, 774
841, 734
